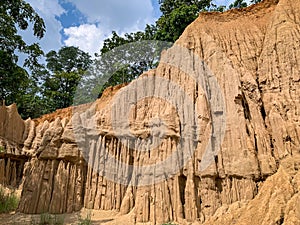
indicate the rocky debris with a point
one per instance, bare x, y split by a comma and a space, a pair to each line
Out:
250, 176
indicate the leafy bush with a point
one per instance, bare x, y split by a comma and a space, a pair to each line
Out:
8, 202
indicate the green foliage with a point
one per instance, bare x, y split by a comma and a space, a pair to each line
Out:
18, 14
170, 26
48, 219
10, 75
238, 4
17, 86
123, 59
31, 103
167, 6
8, 202
68, 59
177, 15
66, 68
255, 1
169, 223
60, 88
220, 8
85, 221
116, 40
14, 80
2, 149
45, 219
47, 88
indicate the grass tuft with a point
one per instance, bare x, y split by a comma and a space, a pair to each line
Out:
8, 202
48, 219
2, 149
85, 221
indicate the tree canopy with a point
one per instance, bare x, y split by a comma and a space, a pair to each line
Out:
16, 14
239, 4
177, 15
66, 68
130, 60
14, 79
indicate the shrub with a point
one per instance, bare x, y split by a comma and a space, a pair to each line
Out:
2, 149
8, 202
86, 221
47, 219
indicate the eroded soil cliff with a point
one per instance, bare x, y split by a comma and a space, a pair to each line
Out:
228, 91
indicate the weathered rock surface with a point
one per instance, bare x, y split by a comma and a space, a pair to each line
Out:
13, 132
277, 201
253, 178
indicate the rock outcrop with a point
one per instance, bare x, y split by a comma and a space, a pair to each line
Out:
211, 136
13, 132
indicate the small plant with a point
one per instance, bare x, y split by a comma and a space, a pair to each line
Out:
59, 220
86, 221
2, 149
48, 219
169, 223
8, 202
45, 219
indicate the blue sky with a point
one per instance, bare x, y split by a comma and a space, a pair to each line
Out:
86, 24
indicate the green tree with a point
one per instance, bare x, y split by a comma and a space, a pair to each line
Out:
68, 59
238, 4
177, 15
14, 80
167, 6
66, 68
18, 14
30, 103
123, 64
121, 60
170, 26
255, 1
125, 58
116, 40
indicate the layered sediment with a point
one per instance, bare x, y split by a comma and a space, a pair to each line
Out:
211, 136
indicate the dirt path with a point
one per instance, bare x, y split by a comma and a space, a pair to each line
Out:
97, 217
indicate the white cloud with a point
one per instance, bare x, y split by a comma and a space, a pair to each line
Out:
48, 10
103, 16
87, 37
117, 14
108, 15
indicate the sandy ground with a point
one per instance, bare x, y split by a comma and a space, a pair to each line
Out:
97, 217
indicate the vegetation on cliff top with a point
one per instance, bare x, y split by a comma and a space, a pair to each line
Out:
39, 88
